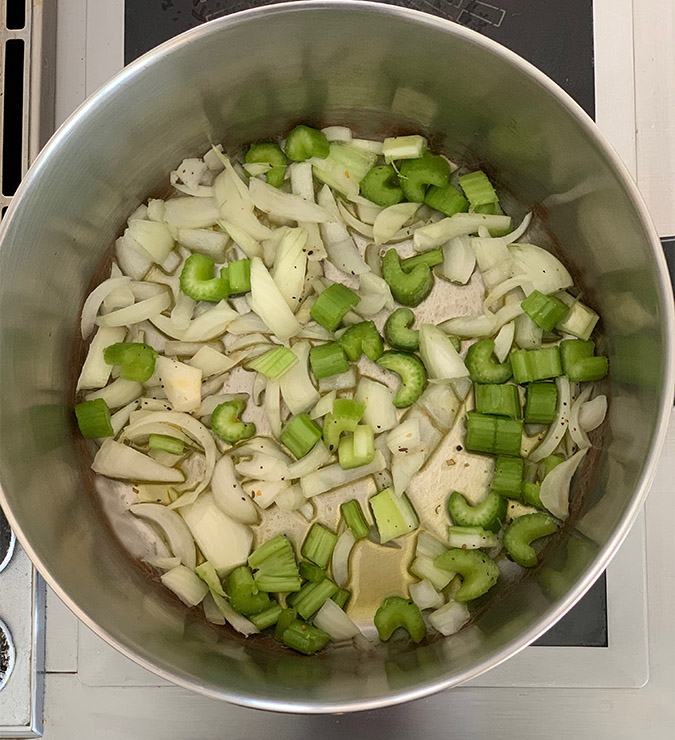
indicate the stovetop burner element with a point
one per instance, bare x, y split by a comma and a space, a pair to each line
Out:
7, 654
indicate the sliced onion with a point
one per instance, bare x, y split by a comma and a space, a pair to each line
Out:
95, 370
375, 295
459, 260
340, 560
380, 412
391, 219
191, 212
557, 430
276, 202
234, 619
440, 358
268, 302
119, 393
273, 406
359, 226
236, 205
301, 180
208, 325
311, 462
164, 563
95, 299
133, 260
333, 476
592, 413
154, 237
264, 492
174, 529
337, 133
542, 270
504, 341
296, 385
335, 622
555, 488
116, 460
467, 327
373, 259
577, 434
262, 467
138, 312
290, 499
192, 427
211, 612
184, 582
204, 241
425, 595
520, 230
450, 618
290, 266
340, 246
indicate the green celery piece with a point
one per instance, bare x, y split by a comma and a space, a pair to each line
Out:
381, 186
245, 597
319, 544
522, 532
225, 422
344, 417
579, 361
416, 175
197, 280
478, 189
408, 288
482, 366
137, 360
328, 359
489, 514
396, 612
412, 373
269, 153
300, 435
398, 333
303, 143
362, 338
93, 419
478, 572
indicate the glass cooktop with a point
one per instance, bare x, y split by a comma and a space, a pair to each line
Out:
556, 37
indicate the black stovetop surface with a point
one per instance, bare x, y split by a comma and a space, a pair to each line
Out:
555, 36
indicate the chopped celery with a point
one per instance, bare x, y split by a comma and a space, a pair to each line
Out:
398, 612
492, 434
478, 189
270, 616
398, 333
416, 175
305, 638
312, 596
344, 417
408, 288
471, 538
353, 517
535, 364
166, 443
482, 365
508, 476
269, 153
411, 146
430, 259
523, 531
238, 274
478, 572
546, 311
490, 513
393, 513
245, 596
226, 424
275, 566
332, 304
275, 363
358, 448
341, 597
319, 544
412, 373
541, 403
303, 143
311, 572
381, 186
529, 492
446, 199
501, 400
136, 360
580, 363
328, 359
197, 280
362, 338
300, 435
93, 419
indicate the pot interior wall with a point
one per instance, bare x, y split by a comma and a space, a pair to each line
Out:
248, 77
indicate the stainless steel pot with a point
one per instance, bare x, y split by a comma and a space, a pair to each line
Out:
378, 69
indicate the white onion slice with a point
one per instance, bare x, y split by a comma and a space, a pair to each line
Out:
459, 260
578, 435
519, 230
276, 202
340, 561
440, 358
504, 341
138, 312
335, 622
118, 393
425, 595
543, 271
192, 427
592, 413
450, 618
557, 430
273, 406
555, 488
95, 370
268, 302
359, 226
174, 529
94, 301
116, 460
391, 219
188, 586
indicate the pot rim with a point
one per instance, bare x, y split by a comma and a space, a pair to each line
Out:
666, 307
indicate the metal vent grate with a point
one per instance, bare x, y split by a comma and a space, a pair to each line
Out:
27, 34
